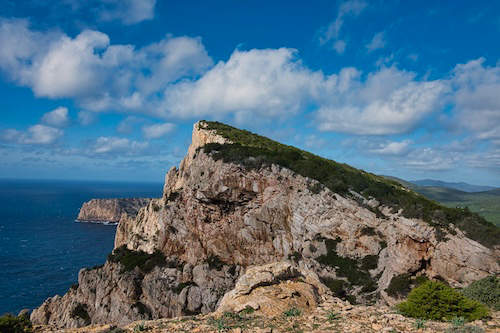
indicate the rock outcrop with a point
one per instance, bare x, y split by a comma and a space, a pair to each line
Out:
272, 289
216, 219
111, 210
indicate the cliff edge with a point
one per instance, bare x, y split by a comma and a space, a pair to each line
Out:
239, 200
110, 210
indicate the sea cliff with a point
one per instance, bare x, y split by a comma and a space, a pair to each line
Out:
243, 212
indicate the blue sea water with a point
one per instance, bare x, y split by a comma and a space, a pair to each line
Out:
42, 248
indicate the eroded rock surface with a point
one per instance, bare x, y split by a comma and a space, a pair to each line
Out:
111, 210
216, 211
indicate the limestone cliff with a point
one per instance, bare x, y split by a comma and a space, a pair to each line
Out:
111, 210
221, 214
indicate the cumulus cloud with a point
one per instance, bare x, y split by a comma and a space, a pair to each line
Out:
36, 134
378, 42
477, 98
392, 148
157, 130
332, 31
127, 11
389, 101
430, 159
57, 117
115, 145
98, 74
269, 82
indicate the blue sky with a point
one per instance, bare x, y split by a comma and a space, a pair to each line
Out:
109, 89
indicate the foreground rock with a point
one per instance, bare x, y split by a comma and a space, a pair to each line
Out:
216, 219
111, 210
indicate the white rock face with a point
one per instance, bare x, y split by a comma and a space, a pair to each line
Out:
232, 218
111, 210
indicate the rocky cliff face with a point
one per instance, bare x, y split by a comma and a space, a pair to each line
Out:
215, 219
111, 210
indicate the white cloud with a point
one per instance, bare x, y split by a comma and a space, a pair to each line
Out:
477, 98
36, 134
157, 130
115, 145
99, 75
127, 11
392, 148
332, 31
56, 118
378, 42
267, 82
430, 159
389, 101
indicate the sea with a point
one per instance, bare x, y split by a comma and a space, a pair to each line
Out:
42, 247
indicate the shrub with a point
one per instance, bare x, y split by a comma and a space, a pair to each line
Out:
354, 270
131, 259
434, 300
486, 291
13, 324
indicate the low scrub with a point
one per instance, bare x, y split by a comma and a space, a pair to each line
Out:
131, 259
433, 300
12, 324
486, 291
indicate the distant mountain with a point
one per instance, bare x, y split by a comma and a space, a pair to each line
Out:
485, 203
457, 186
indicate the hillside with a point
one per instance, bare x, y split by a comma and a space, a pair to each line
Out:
246, 222
253, 151
485, 203
461, 186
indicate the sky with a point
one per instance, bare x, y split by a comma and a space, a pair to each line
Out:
110, 89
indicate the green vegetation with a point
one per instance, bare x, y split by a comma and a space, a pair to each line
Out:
332, 316
12, 324
254, 151
292, 312
356, 271
486, 291
80, 311
131, 259
434, 300
465, 329
486, 203
419, 323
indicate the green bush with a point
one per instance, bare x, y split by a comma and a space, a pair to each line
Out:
434, 300
486, 291
253, 151
131, 259
13, 324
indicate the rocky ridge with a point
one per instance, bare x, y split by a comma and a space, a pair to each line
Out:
217, 219
111, 210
